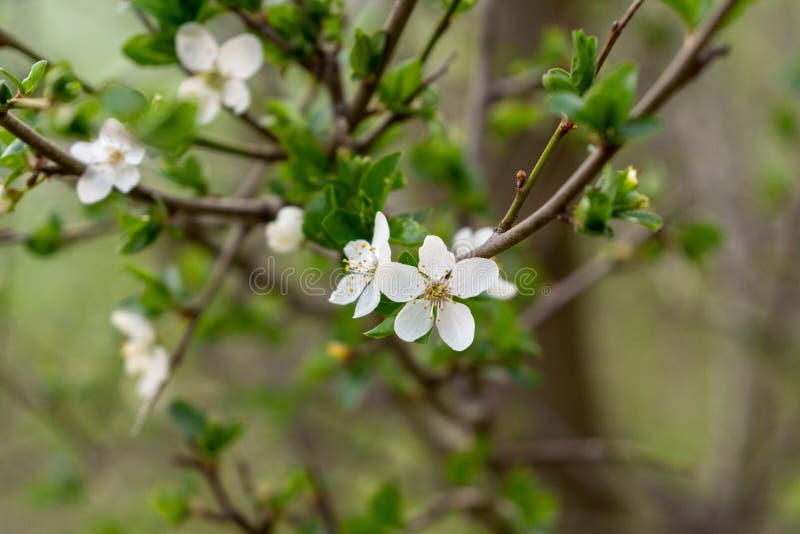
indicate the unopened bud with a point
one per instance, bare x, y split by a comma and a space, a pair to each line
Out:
338, 351
522, 176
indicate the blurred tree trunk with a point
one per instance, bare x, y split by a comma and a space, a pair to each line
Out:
563, 406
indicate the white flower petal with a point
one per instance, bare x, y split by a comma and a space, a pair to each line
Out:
380, 238
126, 177
137, 357
360, 255
473, 276
196, 47
241, 56
113, 135
463, 241
236, 96
414, 320
481, 236
456, 325
399, 282
208, 100
368, 301
434, 258
350, 288
94, 152
155, 375
502, 289
95, 184
133, 325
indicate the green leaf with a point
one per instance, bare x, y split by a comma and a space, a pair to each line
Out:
141, 231
400, 85
406, 230
173, 503
691, 11
123, 102
171, 13
385, 329
217, 437
512, 117
558, 80
16, 81
386, 508
31, 81
565, 103
151, 49
320, 205
46, 239
189, 174
191, 421
62, 84
649, 220
407, 258
639, 128
6, 92
365, 57
584, 61
247, 5
699, 239
593, 212
379, 179
343, 226
169, 127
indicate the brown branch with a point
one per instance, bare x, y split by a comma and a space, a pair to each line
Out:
253, 152
364, 145
458, 500
249, 210
395, 24
686, 65
228, 511
322, 499
616, 30
68, 236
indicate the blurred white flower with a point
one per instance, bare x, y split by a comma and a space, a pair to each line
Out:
112, 161
219, 72
466, 240
285, 233
144, 359
429, 291
363, 264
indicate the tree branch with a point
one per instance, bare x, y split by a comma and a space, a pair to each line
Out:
688, 62
616, 30
395, 24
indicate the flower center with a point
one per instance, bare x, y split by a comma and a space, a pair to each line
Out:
116, 157
215, 80
439, 291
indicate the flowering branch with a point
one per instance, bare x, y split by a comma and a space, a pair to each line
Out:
690, 60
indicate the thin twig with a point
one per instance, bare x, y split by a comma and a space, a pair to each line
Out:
323, 500
616, 30
253, 152
441, 27
68, 235
395, 24
466, 499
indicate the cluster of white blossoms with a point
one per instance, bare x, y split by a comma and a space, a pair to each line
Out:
218, 72
144, 358
285, 234
428, 290
112, 161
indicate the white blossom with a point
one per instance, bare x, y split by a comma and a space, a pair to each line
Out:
144, 358
112, 161
466, 240
285, 233
429, 291
364, 263
218, 72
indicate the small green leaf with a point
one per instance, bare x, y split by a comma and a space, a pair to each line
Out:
584, 61
691, 11
31, 81
141, 231
343, 226
378, 180
365, 57
123, 102
649, 220
46, 239
593, 212
558, 80
698, 239
406, 230
151, 49
189, 174
639, 128
385, 329
189, 419
16, 81
400, 85
169, 127
217, 437
385, 507
407, 258
6, 92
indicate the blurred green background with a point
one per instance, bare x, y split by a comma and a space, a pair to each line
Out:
694, 361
